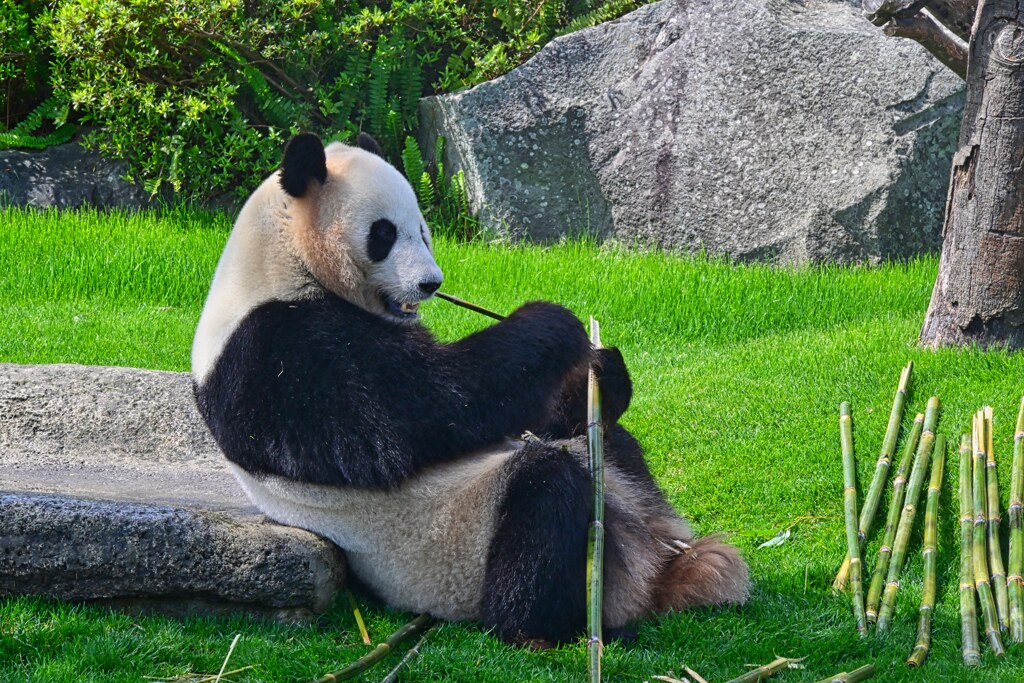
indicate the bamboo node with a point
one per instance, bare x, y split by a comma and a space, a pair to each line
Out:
928, 551
850, 488
1018, 435
966, 586
981, 582
884, 460
844, 417
899, 481
884, 549
1015, 577
1015, 505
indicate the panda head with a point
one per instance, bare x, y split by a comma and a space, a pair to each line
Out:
357, 227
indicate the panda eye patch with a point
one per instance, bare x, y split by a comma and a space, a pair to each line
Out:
382, 237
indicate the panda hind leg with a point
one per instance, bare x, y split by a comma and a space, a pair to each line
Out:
711, 572
534, 586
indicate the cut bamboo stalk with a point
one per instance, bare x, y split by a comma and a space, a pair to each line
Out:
862, 674
874, 494
850, 515
1014, 580
995, 549
899, 548
979, 550
765, 672
595, 565
899, 485
928, 556
411, 654
968, 611
414, 627
365, 634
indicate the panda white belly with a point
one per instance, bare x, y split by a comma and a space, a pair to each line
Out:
422, 547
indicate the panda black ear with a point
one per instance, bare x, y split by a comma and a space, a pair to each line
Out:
304, 160
364, 141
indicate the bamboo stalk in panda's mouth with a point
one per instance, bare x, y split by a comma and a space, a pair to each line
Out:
471, 306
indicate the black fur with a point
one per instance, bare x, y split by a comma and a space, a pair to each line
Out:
322, 391
383, 234
535, 585
304, 160
364, 141
570, 416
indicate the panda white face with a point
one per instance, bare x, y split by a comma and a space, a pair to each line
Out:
366, 239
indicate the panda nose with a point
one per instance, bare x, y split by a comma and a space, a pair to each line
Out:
429, 286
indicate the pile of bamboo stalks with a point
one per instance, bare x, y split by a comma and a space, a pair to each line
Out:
983, 579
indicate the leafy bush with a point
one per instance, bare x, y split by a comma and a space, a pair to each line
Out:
24, 61
199, 97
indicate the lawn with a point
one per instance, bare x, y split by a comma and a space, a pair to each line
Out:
738, 372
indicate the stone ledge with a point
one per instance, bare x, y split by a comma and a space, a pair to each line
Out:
111, 489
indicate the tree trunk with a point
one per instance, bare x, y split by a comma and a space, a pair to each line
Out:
979, 292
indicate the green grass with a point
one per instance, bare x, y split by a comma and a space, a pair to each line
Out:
739, 372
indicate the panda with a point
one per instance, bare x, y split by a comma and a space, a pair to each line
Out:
454, 476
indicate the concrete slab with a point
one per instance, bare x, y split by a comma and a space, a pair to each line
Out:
111, 488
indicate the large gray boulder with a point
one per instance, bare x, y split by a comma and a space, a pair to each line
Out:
64, 177
776, 130
112, 489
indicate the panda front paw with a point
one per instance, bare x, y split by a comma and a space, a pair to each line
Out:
615, 384
569, 417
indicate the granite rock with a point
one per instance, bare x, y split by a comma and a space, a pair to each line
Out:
772, 130
112, 489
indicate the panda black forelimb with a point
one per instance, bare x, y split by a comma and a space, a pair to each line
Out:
299, 392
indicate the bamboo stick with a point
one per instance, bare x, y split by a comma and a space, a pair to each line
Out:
465, 304
411, 654
968, 611
595, 566
414, 627
995, 549
928, 556
862, 674
981, 577
899, 548
850, 514
899, 485
1014, 580
762, 673
874, 494
364, 634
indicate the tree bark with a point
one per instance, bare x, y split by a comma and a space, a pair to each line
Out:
936, 38
979, 292
941, 26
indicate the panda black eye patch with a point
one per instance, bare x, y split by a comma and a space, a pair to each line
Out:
383, 234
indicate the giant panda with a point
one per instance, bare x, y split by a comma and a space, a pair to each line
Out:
453, 475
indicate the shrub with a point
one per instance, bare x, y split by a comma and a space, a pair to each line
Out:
24, 61
199, 97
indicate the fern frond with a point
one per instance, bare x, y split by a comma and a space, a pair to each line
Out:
23, 134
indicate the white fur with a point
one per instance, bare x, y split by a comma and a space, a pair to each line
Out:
423, 547
286, 248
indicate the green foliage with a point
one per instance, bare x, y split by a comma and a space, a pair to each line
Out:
200, 97
24, 60
442, 198
25, 133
